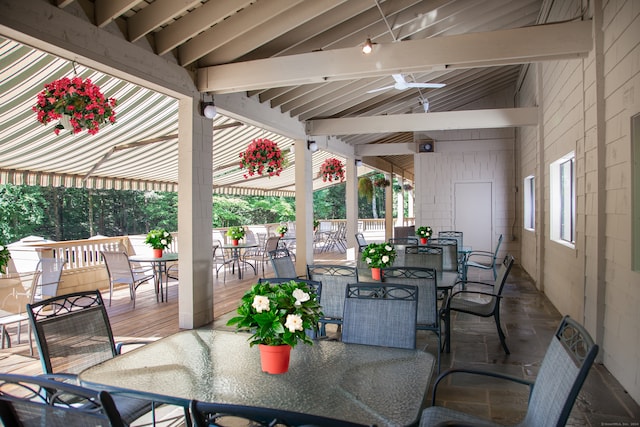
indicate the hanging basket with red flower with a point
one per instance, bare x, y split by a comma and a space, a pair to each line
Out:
77, 102
332, 170
261, 157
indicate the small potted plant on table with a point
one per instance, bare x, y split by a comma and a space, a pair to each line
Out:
159, 239
277, 316
424, 233
378, 256
235, 233
281, 230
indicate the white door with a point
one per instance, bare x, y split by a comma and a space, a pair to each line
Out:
474, 214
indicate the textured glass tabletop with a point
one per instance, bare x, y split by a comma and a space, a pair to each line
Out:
366, 384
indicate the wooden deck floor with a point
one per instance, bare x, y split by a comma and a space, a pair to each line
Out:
150, 320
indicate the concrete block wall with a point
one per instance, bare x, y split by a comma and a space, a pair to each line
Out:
587, 105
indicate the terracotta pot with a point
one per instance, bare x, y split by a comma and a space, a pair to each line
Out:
157, 253
423, 240
376, 273
234, 242
274, 359
281, 234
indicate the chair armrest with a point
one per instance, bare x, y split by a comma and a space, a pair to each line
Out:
489, 294
142, 269
480, 255
496, 375
65, 378
121, 344
463, 283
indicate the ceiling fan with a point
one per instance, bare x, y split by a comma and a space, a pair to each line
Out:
402, 84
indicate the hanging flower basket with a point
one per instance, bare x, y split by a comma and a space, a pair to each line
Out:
261, 157
332, 170
382, 182
77, 100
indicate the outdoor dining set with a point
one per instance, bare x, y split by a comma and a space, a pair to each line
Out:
364, 368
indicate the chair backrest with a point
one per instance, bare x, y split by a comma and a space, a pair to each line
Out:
271, 244
118, 266
564, 368
427, 282
46, 278
400, 244
205, 414
503, 273
408, 241
282, 263
424, 256
383, 315
408, 231
451, 234
362, 242
495, 253
449, 253
335, 279
72, 332
35, 401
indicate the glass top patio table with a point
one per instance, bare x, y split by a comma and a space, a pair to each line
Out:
160, 269
360, 383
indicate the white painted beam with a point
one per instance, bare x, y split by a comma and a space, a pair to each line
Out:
108, 10
472, 119
393, 149
154, 15
513, 46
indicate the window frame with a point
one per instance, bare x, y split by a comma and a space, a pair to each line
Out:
529, 205
563, 200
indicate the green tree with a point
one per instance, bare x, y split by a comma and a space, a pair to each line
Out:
22, 210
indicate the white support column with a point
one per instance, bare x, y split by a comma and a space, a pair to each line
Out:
351, 197
388, 208
304, 206
400, 204
195, 172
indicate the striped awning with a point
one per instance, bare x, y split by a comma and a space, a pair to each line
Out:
138, 152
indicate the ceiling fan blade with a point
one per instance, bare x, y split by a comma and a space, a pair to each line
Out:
427, 85
399, 78
380, 89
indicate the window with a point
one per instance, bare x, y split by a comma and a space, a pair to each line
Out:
530, 203
563, 200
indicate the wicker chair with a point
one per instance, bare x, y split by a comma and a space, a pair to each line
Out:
35, 401
563, 371
382, 314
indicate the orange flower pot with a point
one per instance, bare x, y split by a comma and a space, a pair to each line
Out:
376, 273
157, 253
423, 240
274, 359
234, 242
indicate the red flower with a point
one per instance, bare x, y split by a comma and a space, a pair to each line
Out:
261, 156
81, 100
332, 169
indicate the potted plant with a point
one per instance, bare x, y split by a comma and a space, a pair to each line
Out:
5, 256
424, 233
332, 170
235, 233
77, 102
262, 156
365, 187
377, 256
382, 182
281, 230
159, 239
277, 316
316, 224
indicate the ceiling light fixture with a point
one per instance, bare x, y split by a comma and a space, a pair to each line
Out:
312, 146
367, 47
425, 104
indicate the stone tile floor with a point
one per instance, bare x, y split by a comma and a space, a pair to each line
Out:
529, 321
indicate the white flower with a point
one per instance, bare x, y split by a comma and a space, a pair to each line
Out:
300, 296
1, 248
372, 251
368, 260
261, 303
385, 259
164, 242
166, 234
388, 248
293, 323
